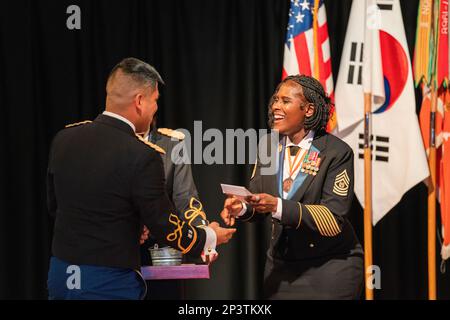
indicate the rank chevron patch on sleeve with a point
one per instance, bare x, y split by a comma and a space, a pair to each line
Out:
341, 184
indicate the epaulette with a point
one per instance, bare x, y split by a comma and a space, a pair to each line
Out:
171, 133
151, 145
77, 124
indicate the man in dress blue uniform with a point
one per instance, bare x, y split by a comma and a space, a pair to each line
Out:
104, 184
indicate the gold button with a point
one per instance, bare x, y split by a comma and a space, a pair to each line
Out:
311, 245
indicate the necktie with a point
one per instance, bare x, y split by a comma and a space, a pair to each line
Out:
294, 150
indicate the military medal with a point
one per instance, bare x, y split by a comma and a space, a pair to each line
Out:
287, 184
293, 166
315, 168
311, 163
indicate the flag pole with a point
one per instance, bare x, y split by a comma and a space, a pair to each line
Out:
367, 195
432, 198
316, 72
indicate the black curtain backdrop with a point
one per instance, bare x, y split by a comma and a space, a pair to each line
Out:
221, 60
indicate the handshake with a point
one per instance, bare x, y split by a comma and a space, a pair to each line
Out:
233, 207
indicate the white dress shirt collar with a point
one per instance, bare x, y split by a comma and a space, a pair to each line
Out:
119, 117
305, 143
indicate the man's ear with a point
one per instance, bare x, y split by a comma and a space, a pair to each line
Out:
138, 103
310, 108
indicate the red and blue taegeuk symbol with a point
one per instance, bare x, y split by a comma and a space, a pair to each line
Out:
395, 69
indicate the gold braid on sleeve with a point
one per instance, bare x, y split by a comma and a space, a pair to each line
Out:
195, 210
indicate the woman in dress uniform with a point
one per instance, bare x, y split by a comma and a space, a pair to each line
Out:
314, 252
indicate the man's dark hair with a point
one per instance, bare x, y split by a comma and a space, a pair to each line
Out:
313, 93
140, 71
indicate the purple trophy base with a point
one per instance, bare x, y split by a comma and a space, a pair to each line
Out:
184, 271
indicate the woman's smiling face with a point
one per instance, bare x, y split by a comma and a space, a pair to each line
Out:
289, 108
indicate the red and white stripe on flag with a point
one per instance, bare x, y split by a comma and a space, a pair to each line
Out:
307, 47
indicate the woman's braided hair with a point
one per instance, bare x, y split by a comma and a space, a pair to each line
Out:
313, 93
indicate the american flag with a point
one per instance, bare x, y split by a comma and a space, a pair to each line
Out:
307, 47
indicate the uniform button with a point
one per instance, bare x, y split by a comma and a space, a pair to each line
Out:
311, 245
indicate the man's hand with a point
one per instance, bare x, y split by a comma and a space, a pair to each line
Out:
144, 235
231, 208
223, 234
263, 202
210, 258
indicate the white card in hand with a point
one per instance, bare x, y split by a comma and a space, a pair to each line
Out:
237, 191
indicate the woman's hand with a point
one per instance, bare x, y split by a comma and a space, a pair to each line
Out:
263, 202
